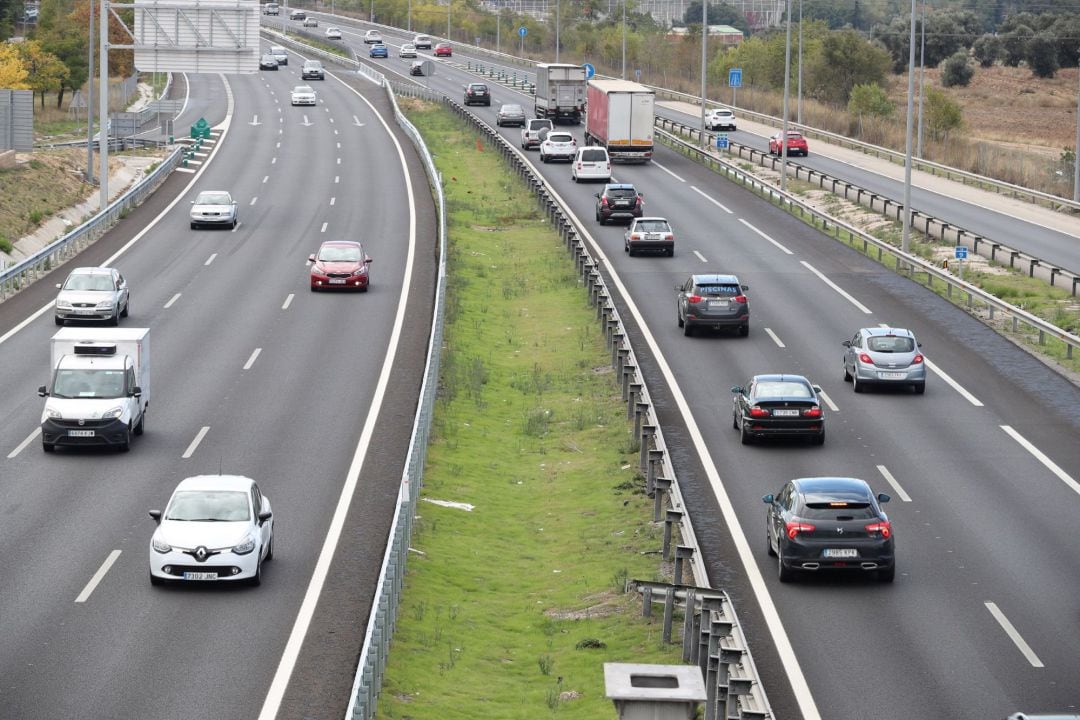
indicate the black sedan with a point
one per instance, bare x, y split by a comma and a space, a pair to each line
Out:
268, 62
830, 523
778, 406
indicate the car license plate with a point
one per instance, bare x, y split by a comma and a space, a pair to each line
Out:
785, 413
718, 303
84, 311
80, 433
841, 553
200, 576
892, 376
652, 236
337, 281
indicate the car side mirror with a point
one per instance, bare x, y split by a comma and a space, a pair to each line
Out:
264, 516
136, 392
311, 258
737, 390
156, 514
43, 391
745, 287
768, 499
58, 286
367, 260
882, 497
816, 388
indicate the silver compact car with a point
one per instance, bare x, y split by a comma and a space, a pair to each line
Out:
558, 145
884, 356
712, 301
215, 208
510, 114
302, 95
92, 293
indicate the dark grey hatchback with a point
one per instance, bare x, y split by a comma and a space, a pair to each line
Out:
830, 523
712, 301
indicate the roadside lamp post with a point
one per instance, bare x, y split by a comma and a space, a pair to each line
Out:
623, 76
704, 64
787, 92
90, 104
905, 242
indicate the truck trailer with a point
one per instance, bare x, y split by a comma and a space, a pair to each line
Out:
620, 117
560, 92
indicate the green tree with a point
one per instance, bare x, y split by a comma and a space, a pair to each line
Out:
719, 14
13, 72
869, 100
1042, 54
45, 71
943, 115
987, 49
1014, 43
67, 40
844, 59
957, 70
1067, 29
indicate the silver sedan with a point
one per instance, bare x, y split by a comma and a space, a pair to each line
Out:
92, 293
510, 114
215, 208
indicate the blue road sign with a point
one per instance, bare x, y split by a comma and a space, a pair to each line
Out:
589, 70
722, 142
734, 77
523, 31
961, 252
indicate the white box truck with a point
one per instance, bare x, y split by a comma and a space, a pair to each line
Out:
560, 92
621, 117
100, 387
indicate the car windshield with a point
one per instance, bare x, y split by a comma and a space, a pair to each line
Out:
512, 109
792, 135
652, 226
539, 124
277, 51
719, 290
781, 388
313, 65
339, 253
560, 137
88, 282
890, 344
303, 89
213, 198
621, 193
594, 155
209, 506
819, 508
88, 383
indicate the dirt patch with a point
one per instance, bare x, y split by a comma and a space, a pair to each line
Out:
604, 604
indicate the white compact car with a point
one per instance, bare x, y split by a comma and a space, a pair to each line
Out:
215, 208
558, 145
92, 293
591, 163
215, 527
720, 119
407, 51
303, 95
280, 54
373, 37
422, 42
333, 33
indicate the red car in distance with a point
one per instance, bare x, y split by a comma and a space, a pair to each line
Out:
796, 144
443, 49
339, 264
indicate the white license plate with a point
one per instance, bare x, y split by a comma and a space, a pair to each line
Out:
841, 553
200, 576
85, 311
652, 236
80, 433
718, 303
786, 413
337, 281
892, 375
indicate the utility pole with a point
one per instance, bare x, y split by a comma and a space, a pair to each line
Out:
557, 5
905, 242
90, 103
704, 64
787, 91
623, 40
103, 105
798, 105
448, 4
922, 77
1076, 149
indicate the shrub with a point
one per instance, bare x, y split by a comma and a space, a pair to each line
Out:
988, 50
957, 70
6, 245
1042, 54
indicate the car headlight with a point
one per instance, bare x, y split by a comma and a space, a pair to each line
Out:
63, 305
317, 270
112, 413
160, 545
362, 270
246, 545
105, 305
53, 414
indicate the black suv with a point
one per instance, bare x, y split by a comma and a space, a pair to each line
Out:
313, 70
477, 94
618, 201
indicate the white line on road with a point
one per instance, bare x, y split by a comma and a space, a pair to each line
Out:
251, 360
667, 171
828, 401
339, 161
185, 170
323, 228
210, 259
775, 338
332, 200
337, 179
836, 287
339, 146
278, 144
1050, 464
273, 161
172, 301
892, 481
782, 248
22, 446
195, 443
700, 256
98, 576
265, 179
955, 385
254, 200
717, 203
288, 301
1007, 626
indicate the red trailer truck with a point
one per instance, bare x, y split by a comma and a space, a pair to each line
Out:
620, 117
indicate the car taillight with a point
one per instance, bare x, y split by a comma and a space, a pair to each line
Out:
812, 412
740, 299
638, 201
603, 201
863, 357
669, 236
883, 527
635, 236
794, 527
758, 412
693, 299
918, 359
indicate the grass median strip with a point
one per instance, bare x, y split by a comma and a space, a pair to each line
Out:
532, 513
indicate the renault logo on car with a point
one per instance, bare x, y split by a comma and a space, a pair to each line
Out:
200, 553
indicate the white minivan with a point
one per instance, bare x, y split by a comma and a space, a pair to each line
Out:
591, 163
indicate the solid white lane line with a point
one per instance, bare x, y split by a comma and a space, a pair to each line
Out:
759, 232
955, 385
339, 161
288, 301
265, 179
775, 338
251, 360
21, 446
828, 401
172, 301
254, 200
1041, 457
332, 201
98, 576
278, 144
195, 443
210, 259
892, 481
700, 257
715, 202
323, 228
1007, 626
667, 171
836, 287
339, 146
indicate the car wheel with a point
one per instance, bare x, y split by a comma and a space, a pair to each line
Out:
115, 319
847, 375
598, 218
687, 329
744, 330
784, 574
126, 444
887, 574
155, 580
58, 321
124, 312
671, 252
856, 385
140, 428
734, 420
919, 388
818, 439
48, 447
768, 542
234, 222
270, 549
678, 317
745, 436
194, 226
256, 579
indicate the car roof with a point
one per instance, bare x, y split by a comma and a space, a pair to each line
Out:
215, 482
830, 485
887, 331
715, 278
91, 271
650, 217
341, 243
619, 186
781, 377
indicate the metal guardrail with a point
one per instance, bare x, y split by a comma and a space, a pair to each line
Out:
56, 253
910, 266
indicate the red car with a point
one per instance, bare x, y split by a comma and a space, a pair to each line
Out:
443, 50
339, 264
796, 144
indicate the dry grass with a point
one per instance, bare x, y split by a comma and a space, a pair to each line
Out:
45, 182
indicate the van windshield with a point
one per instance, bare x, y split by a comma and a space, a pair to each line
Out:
88, 383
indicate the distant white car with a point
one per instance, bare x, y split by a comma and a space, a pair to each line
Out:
215, 208
303, 95
407, 51
558, 145
215, 527
373, 37
280, 54
422, 42
333, 33
92, 293
311, 21
591, 163
720, 119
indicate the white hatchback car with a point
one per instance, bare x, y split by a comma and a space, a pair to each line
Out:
407, 51
373, 37
558, 145
215, 527
333, 33
720, 119
92, 293
303, 95
591, 163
